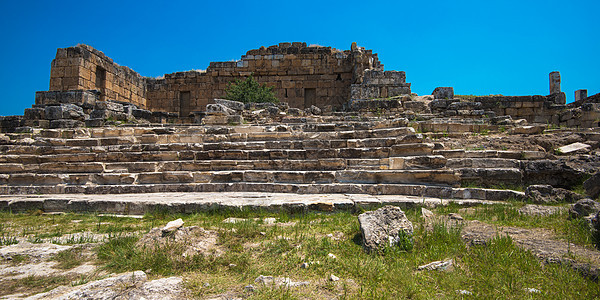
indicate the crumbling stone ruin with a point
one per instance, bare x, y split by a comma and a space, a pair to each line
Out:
344, 125
347, 135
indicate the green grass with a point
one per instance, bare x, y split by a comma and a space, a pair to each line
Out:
496, 270
69, 259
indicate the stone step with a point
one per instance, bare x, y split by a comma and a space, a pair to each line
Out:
187, 203
86, 163
491, 176
48, 144
197, 153
444, 177
450, 128
507, 154
83, 137
491, 162
442, 192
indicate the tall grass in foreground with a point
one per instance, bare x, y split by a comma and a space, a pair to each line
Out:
496, 270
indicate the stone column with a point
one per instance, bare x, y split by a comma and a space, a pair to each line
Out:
580, 95
554, 82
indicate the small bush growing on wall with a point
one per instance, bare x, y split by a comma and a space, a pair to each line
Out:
250, 90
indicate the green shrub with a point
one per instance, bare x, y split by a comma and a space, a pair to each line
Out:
250, 90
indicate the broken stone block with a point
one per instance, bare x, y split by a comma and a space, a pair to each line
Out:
109, 105
584, 208
443, 93
64, 111
35, 113
219, 109
526, 130
172, 226
97, 122
235, 105
141, 114
441, 265
384, 227
574, 148
543, 193
273, 110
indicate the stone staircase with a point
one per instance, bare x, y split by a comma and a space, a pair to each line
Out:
366, 157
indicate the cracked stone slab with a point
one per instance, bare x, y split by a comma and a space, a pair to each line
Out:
139, 204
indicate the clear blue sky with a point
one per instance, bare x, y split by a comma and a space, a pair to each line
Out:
478, 47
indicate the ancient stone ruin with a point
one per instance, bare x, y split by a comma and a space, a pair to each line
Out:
347, 135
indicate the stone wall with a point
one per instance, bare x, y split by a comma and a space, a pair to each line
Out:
380, 84
549, 109
85, 68
300, 75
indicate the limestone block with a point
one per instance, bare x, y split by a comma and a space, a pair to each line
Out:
443, 93
574, 148
411, 149
554, 82
580, 95
383, 227
526, 130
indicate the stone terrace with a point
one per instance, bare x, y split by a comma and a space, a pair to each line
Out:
336, 156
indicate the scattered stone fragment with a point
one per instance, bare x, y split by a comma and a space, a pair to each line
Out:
455, 216
232, 220
249, 288
574, 148
464, 292
533, 290
333, 278
332, 256
172, 226
304, 265
278, 281
426, 213
441, 265
383, 227
527, 130
269, 221
584, 208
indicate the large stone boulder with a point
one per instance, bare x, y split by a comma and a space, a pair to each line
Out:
384, 227
543, 193
584, 208
445, 92
592, 186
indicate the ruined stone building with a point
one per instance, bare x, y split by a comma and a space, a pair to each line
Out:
301, 75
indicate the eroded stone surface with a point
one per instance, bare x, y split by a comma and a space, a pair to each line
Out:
383, 227
133, 285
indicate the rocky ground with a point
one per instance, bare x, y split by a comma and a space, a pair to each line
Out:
306, 257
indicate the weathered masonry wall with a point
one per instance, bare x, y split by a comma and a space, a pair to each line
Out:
301, 76
85, 68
